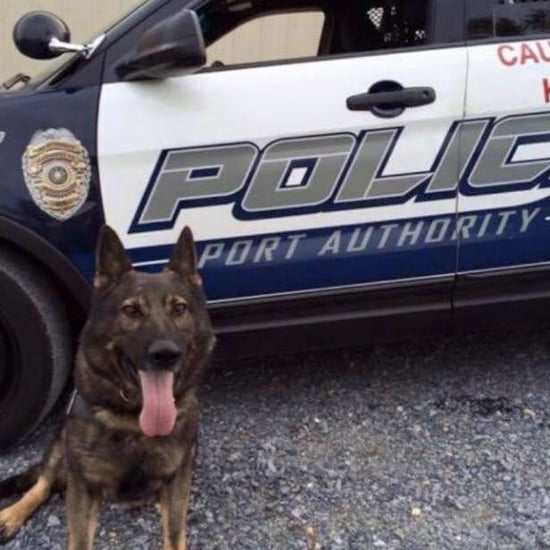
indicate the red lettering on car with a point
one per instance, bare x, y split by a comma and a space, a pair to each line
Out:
546, 89
544, 50
509, 62
527, 54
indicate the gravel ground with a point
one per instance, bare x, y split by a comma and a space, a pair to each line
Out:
425, 445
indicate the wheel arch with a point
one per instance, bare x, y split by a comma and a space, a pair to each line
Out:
62, 272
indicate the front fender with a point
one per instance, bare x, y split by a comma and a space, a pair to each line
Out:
59, 267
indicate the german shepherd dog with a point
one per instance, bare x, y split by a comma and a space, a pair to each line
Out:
131, 431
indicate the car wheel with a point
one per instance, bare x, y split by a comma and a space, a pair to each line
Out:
35, 346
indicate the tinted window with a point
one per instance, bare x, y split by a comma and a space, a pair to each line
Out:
376, 25
507, 18
318, 27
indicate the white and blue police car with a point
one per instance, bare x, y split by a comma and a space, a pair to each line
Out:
396, 179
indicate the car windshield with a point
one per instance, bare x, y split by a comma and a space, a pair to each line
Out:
40, 70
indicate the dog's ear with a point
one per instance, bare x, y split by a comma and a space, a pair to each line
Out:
112, 262
184, 258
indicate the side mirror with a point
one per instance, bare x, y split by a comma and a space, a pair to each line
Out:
33, 33
173, 47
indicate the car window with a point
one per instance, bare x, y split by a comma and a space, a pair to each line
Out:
238, 31
506, 18
269, 38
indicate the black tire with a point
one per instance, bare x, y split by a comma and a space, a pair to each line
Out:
35, 346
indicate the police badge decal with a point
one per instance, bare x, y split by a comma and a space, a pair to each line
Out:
57, 172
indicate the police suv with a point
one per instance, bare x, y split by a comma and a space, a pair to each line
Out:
392, 174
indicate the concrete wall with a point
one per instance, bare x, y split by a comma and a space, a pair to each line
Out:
272, 37
269, 38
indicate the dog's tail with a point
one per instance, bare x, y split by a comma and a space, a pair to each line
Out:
19, 483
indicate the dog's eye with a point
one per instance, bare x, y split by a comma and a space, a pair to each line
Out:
131, 311
180, 309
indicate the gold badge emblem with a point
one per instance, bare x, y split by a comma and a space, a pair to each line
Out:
57, 172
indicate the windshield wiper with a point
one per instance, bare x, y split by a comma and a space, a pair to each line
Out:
14, 80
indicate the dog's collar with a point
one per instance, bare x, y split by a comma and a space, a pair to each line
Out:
78, 407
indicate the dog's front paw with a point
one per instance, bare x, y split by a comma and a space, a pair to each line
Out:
10, 523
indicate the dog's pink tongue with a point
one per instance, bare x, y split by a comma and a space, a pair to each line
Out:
158, 415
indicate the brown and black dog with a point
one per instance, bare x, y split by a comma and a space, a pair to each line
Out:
131, 430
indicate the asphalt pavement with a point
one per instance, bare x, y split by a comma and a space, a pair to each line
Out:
437, 444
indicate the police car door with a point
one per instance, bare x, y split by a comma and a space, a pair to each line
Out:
330, 164
504, 200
